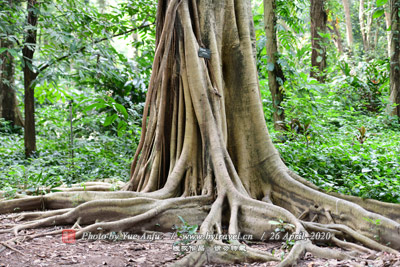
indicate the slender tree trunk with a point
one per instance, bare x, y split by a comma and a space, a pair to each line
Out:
368, 28
376, 37
349, 28
388, 32
337, 39
275, 73
318, 24
362, 24
29, 77
395, 58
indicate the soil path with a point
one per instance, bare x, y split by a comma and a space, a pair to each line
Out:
52, 251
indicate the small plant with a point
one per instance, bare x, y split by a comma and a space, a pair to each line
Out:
183, 231
297, 127
288, 244
282, 226
375, 227
9, 193
36, 184
362, 136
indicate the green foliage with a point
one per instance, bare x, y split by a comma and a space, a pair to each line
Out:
183, 230
98, 153
77, 58
282, 226
334, 162
363, 87
375, 227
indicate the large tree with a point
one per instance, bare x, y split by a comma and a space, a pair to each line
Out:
205, 154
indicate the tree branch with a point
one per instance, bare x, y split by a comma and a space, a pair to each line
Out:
45, 66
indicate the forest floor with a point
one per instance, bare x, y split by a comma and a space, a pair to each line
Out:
52, 251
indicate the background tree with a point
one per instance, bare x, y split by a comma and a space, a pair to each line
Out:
366, 19
333, 27
9, 109
388, 31
29, 77
8, 99
318, 28
205, 154
276, 79
349, 28
395, 57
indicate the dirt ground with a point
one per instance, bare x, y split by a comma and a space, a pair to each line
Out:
52, 251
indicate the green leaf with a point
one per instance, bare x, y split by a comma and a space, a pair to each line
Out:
92, 106
122, 110
319, 59
270, 66
378, 13
121, 127
110, 119
380, 2
180, 218
2, 49
14, 53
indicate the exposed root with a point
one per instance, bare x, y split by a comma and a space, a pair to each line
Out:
13, 249
350, 246
205, 155
40, 215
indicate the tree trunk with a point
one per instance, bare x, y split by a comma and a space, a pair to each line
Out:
368, 28
388, 32
337, 39
275, 73
349, 28
376, 37
29, 77
318, 25
8, 99
205, 155
362, 25
395, 58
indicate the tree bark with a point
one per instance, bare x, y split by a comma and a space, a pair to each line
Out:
337, 39
362, 24
388, 32
376, 36
276, 77
368, 28
395, 58
318, 25
349, 28
8, 99
29, 77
